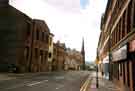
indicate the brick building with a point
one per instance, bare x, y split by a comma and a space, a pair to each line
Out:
41, 41
116, 44
25, 43
15, 28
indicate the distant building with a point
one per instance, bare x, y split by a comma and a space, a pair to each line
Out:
74, 60
59, 56
50, 54
55, 60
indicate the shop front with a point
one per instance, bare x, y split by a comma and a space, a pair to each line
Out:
120, 67
105, 66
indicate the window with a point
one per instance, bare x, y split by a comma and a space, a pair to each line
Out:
50, 55
46, 38
26, 53
50, 41
36, 52
28, 31
41, 54
45, 56
37, 35
123, 24
129, 18
42, 36
134, 15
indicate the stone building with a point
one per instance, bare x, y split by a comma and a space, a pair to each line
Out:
50, 52
116, 44
41, 47
58, 56
15, 28
54, 61
74, 60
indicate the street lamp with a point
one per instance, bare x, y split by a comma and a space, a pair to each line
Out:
97, 76
97, 61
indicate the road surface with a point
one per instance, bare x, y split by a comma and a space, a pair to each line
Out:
53, 81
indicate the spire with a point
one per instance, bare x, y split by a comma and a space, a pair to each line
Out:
82, 50
83, 53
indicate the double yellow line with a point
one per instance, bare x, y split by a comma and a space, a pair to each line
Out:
86, 84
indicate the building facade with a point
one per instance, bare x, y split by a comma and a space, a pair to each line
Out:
73, 60
54, 61
41, 38
15, 28
116, 43
50, 57
26, 44
59, 56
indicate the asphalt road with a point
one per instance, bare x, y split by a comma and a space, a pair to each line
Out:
54, 81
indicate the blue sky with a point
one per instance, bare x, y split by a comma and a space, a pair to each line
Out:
69, 20
84, 3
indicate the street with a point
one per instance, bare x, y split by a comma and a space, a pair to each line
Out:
53, 81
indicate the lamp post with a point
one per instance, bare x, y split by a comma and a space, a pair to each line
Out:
97, 76
97, 61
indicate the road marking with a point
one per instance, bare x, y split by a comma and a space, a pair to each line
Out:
59, 77
36, 83
61, 86
32, 84
85, 85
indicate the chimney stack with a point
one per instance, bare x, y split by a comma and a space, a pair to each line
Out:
4, 2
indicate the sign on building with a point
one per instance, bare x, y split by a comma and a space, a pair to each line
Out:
120, 54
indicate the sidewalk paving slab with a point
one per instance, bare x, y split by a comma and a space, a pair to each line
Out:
104, 85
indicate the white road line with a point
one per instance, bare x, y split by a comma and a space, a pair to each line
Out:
32, 84
36, 83
61, 86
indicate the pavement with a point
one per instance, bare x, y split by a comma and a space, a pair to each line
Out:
104, 84
46, 81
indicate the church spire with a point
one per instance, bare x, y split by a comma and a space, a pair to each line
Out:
83, 53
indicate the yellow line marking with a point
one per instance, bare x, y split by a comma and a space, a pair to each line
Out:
85, 85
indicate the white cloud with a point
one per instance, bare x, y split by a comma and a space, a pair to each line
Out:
65, 5
67, 21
